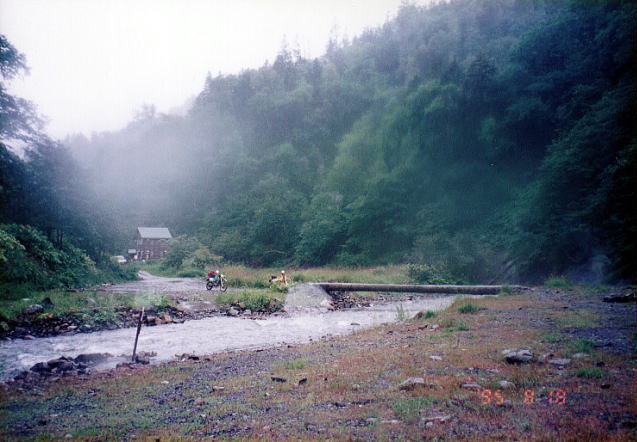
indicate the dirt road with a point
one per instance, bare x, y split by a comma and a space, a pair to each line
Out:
159, 284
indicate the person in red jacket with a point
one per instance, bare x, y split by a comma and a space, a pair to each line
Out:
213, 274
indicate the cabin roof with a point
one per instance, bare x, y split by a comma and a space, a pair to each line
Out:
154, 232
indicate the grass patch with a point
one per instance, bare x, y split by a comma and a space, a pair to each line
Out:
408, 409
552, 338
582, 345
558, 283
451, 325
255, 301
401, 314
99, 305
505, 290
589, 373
469, 307
294, 364
190, 273
526, 380
578, 319
242, 276
429, 314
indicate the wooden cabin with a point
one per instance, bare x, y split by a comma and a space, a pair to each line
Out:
152, 242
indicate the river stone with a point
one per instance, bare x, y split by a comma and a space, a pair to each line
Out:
92, 358
628, 297
41, 367
559, 363
142, 359
506, 385
517, 356
54, 363
233, 312
410, 384
436, 418
66, 366
33, 309
471, 386
47, 303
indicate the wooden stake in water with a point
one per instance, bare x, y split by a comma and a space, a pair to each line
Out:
139, 328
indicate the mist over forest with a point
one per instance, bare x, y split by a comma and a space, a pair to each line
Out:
494, 141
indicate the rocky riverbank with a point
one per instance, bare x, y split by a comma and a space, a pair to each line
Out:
36, 323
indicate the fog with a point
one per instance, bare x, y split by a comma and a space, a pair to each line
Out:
460, 135
95, 62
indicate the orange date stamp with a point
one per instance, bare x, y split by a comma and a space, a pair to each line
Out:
497, 397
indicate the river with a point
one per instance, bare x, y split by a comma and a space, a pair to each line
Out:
210, 335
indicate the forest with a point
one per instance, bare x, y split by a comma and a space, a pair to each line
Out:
491, 141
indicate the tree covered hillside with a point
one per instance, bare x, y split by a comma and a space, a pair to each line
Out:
52, 231
493, 139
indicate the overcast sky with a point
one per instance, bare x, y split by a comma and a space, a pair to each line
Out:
95, 62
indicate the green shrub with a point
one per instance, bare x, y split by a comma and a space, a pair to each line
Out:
558, 283
190, 273
462, 327
583, 345
428, 274
180, 249
450, 325
294, 364
429, 314
254, 301
408, 409
552, 338
401, 314
299, 277
505, 290
201, 258
469, 307
43, 265
589, 373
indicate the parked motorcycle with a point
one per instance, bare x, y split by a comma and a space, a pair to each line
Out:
219, 282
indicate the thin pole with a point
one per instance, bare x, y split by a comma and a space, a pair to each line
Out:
139, 328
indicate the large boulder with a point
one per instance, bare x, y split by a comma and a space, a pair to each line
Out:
92, 358
410, 384
33, 309
517, 356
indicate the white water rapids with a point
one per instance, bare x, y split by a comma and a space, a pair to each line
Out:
210, 335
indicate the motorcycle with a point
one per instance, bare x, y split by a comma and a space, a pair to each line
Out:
217, 282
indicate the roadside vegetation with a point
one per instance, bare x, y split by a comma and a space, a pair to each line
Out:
32, 262
89, 302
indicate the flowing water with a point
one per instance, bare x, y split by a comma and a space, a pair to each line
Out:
210, 335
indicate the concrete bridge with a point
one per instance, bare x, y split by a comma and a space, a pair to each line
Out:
417, 288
